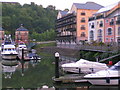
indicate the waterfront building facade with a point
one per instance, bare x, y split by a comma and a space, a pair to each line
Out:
72, 27
21, 35
105, 24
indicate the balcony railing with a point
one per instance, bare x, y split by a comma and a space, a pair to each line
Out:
65, 24
65, 18
71, 29
99, 17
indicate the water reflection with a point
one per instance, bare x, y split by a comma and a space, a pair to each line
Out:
91, 88
8, 70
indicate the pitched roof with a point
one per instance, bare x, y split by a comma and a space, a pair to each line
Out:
88, 5
107, 8
21, 28
1, 29
63, 13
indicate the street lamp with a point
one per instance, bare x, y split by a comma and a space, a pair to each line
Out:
57, 65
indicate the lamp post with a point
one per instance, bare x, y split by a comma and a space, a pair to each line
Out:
57, 65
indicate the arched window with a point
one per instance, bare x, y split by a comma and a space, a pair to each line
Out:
91, 35
99, 35
109, 31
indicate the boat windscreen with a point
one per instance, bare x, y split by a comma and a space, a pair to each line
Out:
115, 68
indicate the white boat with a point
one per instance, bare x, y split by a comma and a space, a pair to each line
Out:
8, 49
21, 46
110, 76
83, 66
9, 52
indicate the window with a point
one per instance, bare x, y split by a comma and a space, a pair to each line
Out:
99, 35
83, 13
107, 39
112, 22
83, 20
97, 23
109, 31
83, 34
101, 24
111, 39
82, 27
118, 30
91, 35
92, 26
106, 21
89, 24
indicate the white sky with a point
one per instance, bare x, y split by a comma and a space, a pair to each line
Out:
62, 4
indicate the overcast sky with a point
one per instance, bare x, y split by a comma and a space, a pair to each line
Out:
62, 4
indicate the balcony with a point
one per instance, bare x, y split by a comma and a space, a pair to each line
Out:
66, 37
71, 29
91, 18
99, 17
65, 24
65, 18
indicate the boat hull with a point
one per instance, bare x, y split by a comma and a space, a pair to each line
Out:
81, 70
9, 56
104, 81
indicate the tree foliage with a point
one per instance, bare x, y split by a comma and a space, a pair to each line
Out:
38, 20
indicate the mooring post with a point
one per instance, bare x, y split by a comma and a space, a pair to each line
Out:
57, 65
22, 62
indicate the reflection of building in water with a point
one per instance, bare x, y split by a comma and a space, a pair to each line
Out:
8, 70
1, 34
25, 65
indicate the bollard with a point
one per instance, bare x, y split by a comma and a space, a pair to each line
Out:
22, 62
56, 65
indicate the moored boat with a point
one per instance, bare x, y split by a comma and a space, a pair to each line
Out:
110, 76
21, 46
83, 66
8, 49
9, 52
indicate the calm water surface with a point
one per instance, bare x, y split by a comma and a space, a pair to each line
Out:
37, 74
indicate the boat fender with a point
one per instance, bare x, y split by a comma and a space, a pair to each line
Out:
107, 79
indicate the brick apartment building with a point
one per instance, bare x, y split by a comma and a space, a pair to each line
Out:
72, 26
21, 35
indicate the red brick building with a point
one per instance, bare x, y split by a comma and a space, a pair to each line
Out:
1, 34
21, 35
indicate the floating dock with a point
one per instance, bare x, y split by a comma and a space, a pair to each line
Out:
72, 78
